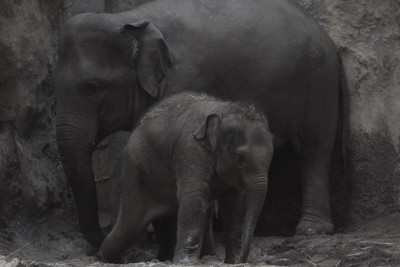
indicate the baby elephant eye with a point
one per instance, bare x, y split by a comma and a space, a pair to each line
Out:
239, 159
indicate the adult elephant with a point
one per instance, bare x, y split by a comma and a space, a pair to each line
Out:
270, 52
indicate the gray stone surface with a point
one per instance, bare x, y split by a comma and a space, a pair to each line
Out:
367, 34
87, 6
114, 6
31, 176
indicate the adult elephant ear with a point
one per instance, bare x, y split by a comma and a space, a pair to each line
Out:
150, 54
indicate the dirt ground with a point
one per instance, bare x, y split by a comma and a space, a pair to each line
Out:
55, 241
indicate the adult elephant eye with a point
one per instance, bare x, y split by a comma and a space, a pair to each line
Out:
239, 159
94, 91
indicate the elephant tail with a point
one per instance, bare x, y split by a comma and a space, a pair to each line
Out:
343, 109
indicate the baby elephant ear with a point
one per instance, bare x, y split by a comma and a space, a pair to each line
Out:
207, 134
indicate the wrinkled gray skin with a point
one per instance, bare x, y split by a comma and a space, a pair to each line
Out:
188, 150
114, 66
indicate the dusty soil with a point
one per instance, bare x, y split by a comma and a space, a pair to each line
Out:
55, 241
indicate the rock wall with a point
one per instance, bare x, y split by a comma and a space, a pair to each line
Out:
367, 34
31, 177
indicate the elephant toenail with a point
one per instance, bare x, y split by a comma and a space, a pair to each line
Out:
311, 231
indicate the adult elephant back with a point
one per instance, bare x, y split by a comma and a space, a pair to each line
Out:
269, 52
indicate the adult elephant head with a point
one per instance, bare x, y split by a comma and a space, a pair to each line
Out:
100, 69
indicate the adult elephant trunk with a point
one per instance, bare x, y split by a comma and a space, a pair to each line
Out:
254, 197
75, 140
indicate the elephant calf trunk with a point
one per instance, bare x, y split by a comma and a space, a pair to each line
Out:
255, 194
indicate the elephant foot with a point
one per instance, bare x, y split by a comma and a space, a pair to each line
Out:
107, 258
208, 250
110, 252
91, 250
166, 254
94, 236
208, 247
183, 257
313, 225
186, 260
232, 259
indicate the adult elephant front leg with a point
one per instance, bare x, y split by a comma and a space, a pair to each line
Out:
75, 147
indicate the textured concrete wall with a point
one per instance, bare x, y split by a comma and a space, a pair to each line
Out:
367, 35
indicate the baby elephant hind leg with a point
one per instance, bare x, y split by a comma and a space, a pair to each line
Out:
165, 230
128, 229
135, 215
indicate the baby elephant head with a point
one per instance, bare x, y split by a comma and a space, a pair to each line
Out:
242, 146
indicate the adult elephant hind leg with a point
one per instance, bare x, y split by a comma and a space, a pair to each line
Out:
316, 213
316, 140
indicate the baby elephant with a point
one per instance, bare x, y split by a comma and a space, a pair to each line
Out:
186, 151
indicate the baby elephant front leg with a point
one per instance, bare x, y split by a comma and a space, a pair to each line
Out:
194, 201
